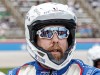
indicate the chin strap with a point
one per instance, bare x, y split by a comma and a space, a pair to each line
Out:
74, 69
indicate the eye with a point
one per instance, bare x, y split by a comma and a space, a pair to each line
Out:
61, 32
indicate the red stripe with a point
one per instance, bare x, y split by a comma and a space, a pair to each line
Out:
18, 72
20, 68
80, 69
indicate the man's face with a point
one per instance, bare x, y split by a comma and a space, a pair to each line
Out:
55, 46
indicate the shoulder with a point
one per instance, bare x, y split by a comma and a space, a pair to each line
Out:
97, 72
91, 70
28, 69
86, 69
13, 71
22, 69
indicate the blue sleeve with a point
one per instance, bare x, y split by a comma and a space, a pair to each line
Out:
13, 71
98, 72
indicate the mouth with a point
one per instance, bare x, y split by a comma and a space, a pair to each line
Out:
55, 51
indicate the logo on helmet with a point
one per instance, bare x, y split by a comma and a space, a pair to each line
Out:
39, 58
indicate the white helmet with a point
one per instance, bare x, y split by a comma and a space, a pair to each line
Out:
1, 73
94, 54
44, 15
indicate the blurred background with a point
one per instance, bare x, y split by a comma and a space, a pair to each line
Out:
12, 39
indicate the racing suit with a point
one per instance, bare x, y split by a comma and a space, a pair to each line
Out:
75, 67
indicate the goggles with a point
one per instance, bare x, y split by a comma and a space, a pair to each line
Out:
48, 32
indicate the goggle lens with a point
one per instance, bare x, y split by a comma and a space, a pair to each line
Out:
48, 32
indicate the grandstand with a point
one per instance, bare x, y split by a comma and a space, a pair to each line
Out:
12, 14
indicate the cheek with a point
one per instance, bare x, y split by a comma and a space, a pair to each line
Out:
43, 43
64, 44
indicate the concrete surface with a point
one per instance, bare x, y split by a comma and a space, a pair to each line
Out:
18, 58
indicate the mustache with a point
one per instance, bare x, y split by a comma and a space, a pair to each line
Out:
55, 47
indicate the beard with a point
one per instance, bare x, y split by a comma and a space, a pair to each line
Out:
56, 51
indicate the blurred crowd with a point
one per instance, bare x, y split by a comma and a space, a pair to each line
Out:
9, 29
95, 4
85, 29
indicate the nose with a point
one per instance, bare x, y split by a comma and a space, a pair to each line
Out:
55, 38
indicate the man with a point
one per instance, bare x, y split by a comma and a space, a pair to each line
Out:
50, 35
94, 56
